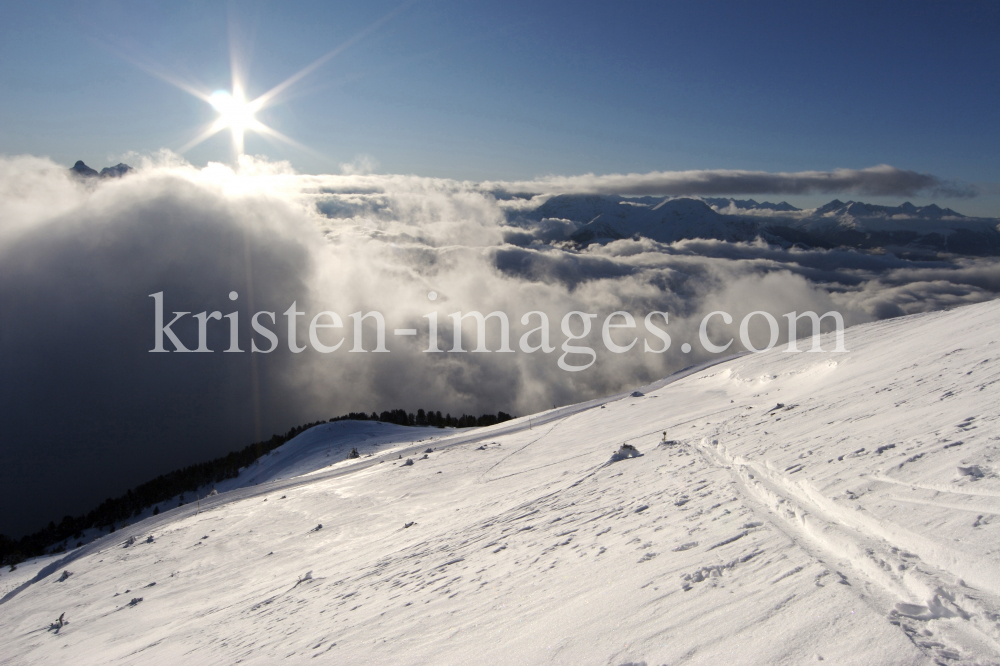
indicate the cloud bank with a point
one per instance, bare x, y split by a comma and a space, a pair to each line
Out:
882, 180
89, 412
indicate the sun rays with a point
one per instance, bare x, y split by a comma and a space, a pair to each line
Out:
236, 113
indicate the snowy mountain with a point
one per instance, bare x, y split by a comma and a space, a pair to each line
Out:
749, 204
607, 218
904, 229
800, 507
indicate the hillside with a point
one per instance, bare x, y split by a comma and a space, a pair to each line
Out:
805, 507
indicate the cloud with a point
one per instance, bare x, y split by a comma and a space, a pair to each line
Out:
882, 180
89, 412
362, 165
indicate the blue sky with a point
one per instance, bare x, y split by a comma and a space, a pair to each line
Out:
516, 90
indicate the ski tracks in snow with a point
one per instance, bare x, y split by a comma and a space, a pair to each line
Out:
899, 563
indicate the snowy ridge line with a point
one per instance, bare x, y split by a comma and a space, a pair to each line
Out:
208, 503
870, 553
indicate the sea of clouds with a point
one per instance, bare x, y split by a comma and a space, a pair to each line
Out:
89, 411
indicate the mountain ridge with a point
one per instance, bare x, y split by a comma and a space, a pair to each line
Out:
905, 229
117, 171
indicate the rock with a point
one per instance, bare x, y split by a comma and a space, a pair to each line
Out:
626, 451
117, 171
81, 169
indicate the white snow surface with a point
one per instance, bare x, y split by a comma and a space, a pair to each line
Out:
806, 507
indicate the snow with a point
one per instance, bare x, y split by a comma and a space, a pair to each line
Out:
862, 217
800, 507
600, 219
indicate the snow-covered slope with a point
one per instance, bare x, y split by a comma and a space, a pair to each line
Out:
841, 507
734, 206
327, 445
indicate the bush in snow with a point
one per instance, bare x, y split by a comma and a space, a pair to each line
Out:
353, 454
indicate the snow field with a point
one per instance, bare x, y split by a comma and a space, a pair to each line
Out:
836, 507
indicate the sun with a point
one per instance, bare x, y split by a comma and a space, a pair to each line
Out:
233, 110
235, 113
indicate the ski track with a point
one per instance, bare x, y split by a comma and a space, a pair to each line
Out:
804, 507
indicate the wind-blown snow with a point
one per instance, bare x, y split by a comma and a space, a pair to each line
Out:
805, 506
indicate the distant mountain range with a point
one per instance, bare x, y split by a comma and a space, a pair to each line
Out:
904, 230
116, 171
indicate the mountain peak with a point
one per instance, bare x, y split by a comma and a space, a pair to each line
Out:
81, 169
116, 171
836, 204
749, 204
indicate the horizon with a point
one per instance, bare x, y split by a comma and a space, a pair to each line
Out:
444, 90
804, 203
903, 201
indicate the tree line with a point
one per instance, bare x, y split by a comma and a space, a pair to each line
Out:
189, 479
422, 418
